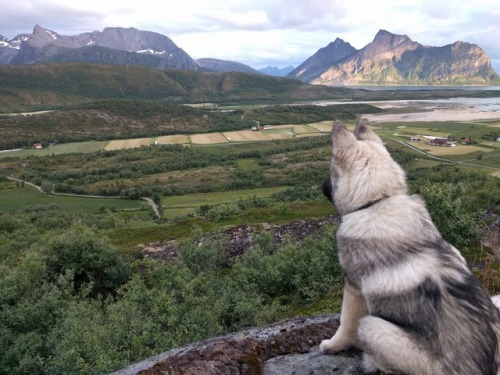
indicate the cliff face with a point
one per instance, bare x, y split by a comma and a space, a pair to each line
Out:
397, 60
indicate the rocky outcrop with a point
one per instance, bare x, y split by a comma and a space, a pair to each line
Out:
392, 59
240, 238
288, 347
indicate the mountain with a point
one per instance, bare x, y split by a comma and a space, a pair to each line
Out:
315, 65
275, 71
389, 59
392, 59
223, 66
114, 45
10, 48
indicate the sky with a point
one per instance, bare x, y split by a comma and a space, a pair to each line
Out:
262, 33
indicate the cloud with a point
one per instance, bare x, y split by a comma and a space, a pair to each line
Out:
308, 15
257, 31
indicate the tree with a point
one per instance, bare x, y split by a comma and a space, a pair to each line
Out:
91, 258
46, 187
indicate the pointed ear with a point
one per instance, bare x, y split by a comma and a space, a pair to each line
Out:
342, 138
364, 133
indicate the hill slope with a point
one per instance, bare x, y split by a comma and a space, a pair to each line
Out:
38, 86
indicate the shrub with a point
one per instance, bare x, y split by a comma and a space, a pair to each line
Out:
223, 211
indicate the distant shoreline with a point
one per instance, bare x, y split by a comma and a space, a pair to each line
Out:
423, 87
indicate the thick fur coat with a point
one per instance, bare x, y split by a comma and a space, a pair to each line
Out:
410, 303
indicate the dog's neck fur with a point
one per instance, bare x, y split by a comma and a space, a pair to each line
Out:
368, 205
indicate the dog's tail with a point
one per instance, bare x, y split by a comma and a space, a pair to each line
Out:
496, 300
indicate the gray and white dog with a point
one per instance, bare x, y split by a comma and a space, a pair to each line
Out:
410, 302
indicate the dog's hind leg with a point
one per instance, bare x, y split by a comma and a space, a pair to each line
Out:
392, 350
353, 309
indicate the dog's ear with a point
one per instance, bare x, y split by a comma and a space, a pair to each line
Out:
342, 139
364, 133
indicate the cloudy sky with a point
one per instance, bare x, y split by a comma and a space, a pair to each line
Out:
266, 32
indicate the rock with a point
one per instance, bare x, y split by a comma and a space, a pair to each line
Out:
239, 239
288, 347
314, 362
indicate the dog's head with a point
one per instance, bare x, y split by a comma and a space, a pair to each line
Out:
361, 170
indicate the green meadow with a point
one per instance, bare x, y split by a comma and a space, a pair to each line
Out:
14, 198
63, 148
188, 204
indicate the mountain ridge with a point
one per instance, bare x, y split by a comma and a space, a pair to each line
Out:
390, 59
45, 45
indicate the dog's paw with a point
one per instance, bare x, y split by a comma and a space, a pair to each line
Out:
333, 346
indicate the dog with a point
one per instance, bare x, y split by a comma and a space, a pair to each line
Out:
410, 302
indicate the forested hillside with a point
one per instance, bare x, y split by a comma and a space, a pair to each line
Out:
56, 85
79, 296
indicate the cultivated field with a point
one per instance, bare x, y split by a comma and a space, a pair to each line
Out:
246, 136
442, 150
324, 126
128, 143
208, 139
173, 139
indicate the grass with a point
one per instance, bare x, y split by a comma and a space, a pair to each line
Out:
13, 198
326, 304
63, 148
187, 204
248, 164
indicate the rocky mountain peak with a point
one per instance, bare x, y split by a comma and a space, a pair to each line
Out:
114, 45
134, 40
392, 59
386, 43
383, 35
314, 66
42, 34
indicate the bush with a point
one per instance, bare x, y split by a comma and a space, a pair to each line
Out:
91, 259
457, 225
223, 211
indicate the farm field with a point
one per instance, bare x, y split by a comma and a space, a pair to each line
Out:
13, 198
440, 150
484, 153
63, 148
246, 136
187, 204
128, 143
208, 138
172, 139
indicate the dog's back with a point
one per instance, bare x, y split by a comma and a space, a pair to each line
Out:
425, 311
413, 279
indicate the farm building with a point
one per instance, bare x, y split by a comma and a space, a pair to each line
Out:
439, 142
466, 140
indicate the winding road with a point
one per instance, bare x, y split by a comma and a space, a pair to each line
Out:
149, 201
